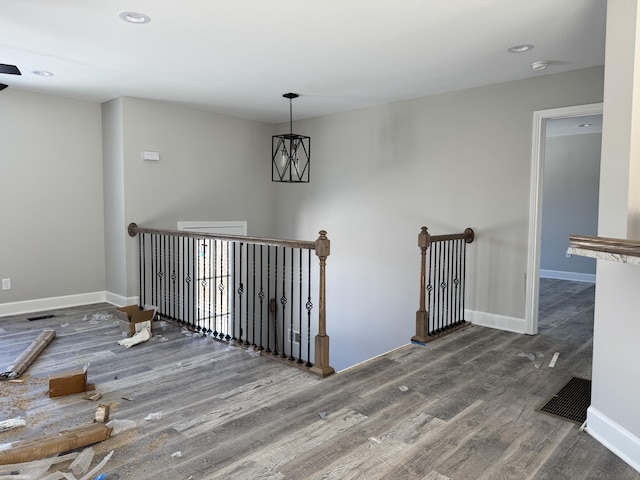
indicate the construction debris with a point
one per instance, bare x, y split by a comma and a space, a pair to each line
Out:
12, 423
72, 381
46, 446
102, 414
82, 462
27, 357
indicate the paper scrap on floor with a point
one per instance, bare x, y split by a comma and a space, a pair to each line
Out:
139, 337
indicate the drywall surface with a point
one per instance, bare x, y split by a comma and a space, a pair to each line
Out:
113, 180
51, 197
211, 168
448, 162
570, 199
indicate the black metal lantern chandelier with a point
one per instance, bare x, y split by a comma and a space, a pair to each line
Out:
290, 153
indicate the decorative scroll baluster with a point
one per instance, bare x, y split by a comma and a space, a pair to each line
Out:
309, 307
240, 292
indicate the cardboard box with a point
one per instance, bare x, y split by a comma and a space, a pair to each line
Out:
132, 318
66, 383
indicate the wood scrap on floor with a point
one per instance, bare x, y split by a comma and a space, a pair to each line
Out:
27, 357
64, 441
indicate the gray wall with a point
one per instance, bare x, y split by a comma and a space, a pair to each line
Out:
212, 167
450, 161
50, 197
570, 199
113, 181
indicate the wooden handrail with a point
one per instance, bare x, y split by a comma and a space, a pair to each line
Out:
468, 236
134, 229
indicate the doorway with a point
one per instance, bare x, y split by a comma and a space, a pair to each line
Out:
532, 284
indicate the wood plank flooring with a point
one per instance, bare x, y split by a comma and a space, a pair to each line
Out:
462, 407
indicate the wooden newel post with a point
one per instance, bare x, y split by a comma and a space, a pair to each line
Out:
321, 363
422, 316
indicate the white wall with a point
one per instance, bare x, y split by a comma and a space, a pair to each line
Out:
613, 417
570, 202
50, 197
448, 162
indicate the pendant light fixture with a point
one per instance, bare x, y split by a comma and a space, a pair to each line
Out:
290, 153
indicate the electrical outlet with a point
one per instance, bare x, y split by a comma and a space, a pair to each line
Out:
294, 335
6, 284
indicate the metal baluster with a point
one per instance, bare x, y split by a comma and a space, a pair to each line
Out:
309, 306
275, 296
291, 324
261, 296
192, 281
268, 349
246, 313
300, 304
224, 274
429, 292
163, 272
240, 291
231, 302
283, 300
447, 283
253, 318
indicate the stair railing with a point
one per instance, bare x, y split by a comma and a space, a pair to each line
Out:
253, 292
442, 284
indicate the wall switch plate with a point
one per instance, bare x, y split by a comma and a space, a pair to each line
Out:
151, 156
6, 284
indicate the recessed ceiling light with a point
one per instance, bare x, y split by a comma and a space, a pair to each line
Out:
520, 48
42, 73
135, 17
542, 65
584, 125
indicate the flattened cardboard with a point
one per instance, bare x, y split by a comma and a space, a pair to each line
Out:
66, 383
132, 319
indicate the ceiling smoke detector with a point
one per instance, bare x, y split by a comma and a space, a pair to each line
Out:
537, 66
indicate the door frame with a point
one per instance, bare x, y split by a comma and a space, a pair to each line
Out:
532, 283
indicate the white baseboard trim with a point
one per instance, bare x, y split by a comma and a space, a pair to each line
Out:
119, 300
576, 277
41, 304
616, 438
492, 320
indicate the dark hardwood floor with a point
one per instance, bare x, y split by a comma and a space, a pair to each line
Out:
462, 407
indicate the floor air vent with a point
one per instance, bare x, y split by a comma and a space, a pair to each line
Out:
41, 317
570, 402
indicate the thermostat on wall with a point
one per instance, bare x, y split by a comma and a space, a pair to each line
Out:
151, 156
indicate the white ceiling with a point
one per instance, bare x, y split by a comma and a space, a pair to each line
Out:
239, 56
